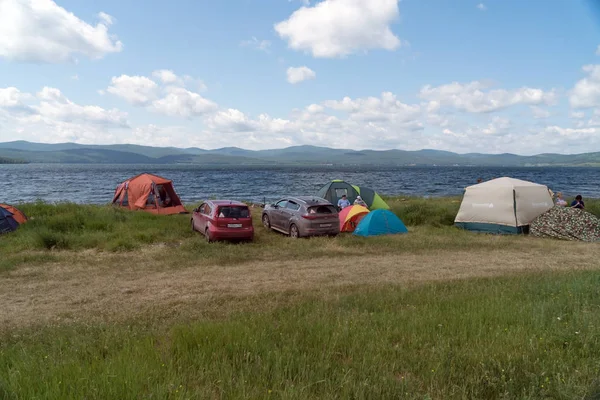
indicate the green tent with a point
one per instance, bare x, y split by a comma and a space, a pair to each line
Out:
334, 190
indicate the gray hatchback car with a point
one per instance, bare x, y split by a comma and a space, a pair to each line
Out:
302, 216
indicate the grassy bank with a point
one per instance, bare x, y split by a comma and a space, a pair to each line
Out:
102, 303
520, 337
57, 232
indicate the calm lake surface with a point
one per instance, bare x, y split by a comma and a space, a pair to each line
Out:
96, 183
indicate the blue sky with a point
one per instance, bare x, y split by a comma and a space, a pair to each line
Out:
489, 76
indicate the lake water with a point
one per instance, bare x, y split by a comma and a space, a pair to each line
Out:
96, 183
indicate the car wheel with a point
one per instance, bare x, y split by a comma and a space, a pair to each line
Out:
266, 221
294, 232
207, 236
193, 226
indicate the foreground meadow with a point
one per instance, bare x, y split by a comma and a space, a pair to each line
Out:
100, 303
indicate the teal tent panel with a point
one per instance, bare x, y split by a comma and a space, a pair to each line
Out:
380, 222
490, 228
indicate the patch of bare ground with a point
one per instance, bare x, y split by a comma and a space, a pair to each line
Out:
95, 286
89, 288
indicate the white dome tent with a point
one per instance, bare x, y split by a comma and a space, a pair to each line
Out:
503, 205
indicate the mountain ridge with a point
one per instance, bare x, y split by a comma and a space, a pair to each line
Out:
31, 152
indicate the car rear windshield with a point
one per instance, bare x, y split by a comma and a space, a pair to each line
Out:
321, 210
234, 212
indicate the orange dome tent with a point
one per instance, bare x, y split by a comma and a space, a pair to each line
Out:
351, 216
149, 193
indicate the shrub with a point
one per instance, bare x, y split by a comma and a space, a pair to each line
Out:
50, 240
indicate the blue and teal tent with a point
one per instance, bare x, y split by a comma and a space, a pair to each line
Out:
7, 221
380, 222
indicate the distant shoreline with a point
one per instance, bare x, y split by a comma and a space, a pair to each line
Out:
10, 161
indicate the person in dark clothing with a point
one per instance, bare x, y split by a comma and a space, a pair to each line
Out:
578, 203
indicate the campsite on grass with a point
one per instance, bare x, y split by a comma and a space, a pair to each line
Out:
498, 206
137, 294
201, 306
300, 200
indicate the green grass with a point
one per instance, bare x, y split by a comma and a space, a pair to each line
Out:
434, 212
57, 231
525, 337
67, 226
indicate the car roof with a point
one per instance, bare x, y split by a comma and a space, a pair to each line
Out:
226, 203
309, 200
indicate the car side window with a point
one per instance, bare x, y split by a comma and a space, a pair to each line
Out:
293, 206
281, 204
205, 209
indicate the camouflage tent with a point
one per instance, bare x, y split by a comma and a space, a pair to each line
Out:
568, 224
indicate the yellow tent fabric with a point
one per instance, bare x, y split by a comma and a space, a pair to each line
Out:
351, 216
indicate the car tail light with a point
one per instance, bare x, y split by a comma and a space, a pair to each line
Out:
307, 216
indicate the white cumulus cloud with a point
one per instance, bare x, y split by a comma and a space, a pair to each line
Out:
137, 90
55, 106
12, 97
180, 102
166, 76
481, 7
299, 74
377, 109
337, 28
41, 31
230, 120
477, 97
461, 117
586, 93
50, 116
170, 97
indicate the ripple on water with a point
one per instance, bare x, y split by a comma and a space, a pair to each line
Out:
96, 183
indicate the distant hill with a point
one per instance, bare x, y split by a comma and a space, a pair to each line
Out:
147, 151
295, 155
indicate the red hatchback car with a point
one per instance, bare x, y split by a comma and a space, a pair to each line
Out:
223, 220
